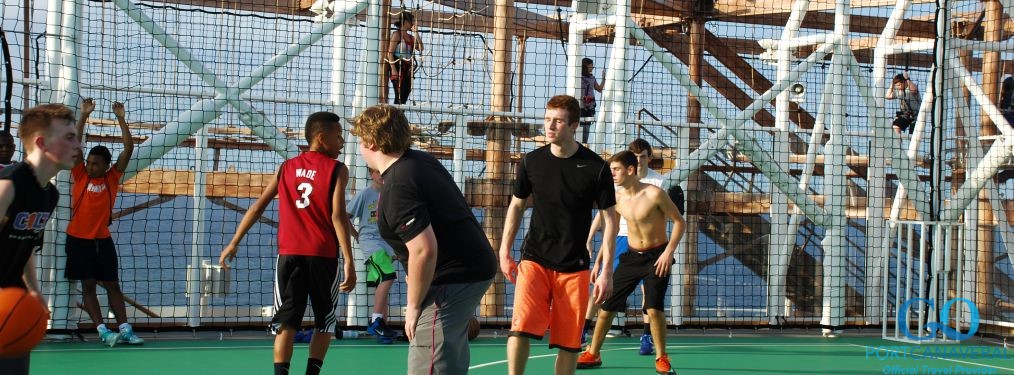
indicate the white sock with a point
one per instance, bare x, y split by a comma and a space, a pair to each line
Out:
124, 327
102, 327
376, 316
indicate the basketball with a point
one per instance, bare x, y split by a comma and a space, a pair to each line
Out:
22, 322
473, 328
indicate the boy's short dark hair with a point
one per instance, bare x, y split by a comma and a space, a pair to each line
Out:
103, 152
626, 158
639, 145
320, 122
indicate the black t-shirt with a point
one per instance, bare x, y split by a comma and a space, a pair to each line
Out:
564, 190
418, 192
26, 221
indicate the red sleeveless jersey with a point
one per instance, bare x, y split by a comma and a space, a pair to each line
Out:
306, 186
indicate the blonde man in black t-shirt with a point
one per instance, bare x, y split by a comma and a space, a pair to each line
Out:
422, 214
565, 180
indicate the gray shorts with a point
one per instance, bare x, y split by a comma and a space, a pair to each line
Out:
441, 335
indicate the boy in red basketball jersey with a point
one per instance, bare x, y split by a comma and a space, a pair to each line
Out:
312, 223
27, 199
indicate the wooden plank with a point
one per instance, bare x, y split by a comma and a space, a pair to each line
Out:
467, 22
718, 203
142, 206
523, 20
713, 77
178, 182
284, 7
825, 21
751, 76
767, 7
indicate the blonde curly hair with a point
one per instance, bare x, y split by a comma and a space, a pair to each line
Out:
384, 126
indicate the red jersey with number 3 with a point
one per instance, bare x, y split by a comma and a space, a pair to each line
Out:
306, 186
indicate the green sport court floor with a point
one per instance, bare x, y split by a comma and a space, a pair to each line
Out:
715, 353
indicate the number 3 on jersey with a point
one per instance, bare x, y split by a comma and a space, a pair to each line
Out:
304, 191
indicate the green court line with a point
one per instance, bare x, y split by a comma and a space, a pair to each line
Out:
690, 355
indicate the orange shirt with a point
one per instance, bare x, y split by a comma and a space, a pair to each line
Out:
91, 203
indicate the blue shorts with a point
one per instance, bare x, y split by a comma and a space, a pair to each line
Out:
621, 247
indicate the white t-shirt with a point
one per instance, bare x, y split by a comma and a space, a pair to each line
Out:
364, 208
653, 178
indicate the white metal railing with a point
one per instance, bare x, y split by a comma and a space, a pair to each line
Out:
924, 264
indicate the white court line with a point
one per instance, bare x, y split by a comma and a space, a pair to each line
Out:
487, 364
124, 347
932, 357
121, 347
688, 346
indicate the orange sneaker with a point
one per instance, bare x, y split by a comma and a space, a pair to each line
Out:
588, 360
662, 365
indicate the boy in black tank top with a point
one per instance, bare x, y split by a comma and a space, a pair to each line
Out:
27, 199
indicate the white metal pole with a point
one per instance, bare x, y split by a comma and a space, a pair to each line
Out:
835, 182
783, 229
940, 71
575, 39
69, 67
367, 78
617, 107
199, 232
983, 172
54, 49
52, 257
366, 94
338, 52
880, 149
173, 134
68, 93
460, 133
980, 97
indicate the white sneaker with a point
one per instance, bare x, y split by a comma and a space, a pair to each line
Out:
127, 336
108, 337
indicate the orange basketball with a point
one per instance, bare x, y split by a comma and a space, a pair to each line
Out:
22, 322
473, 328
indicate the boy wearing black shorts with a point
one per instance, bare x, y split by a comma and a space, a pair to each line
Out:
312, 223
649, 258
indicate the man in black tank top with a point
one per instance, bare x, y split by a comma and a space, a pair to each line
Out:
27, 199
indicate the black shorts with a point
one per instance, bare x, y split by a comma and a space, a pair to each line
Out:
299, 277
587, 113
904, 121
91, 259
634, 267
